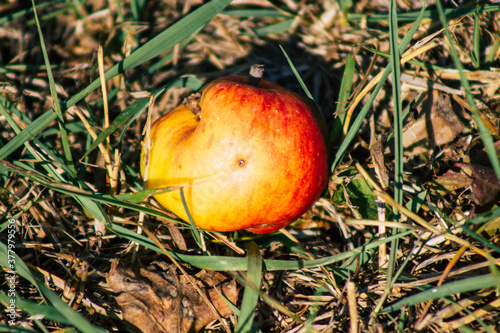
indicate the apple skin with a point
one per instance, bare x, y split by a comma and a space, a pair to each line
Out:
255, 160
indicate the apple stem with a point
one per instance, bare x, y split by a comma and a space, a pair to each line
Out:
192, 102
256, 72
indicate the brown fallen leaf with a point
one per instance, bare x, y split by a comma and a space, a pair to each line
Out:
485, 186
376, 152
455, 180
177, 236
156, 300
437, 124
482, 180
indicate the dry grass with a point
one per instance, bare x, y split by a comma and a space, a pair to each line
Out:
449, 185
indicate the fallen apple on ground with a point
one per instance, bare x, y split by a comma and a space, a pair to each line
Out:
246, 154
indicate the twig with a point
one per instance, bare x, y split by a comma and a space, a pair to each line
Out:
353, 306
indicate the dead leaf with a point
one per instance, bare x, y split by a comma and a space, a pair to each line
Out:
376, 151
177, 236
156, 300
482, 180
436, 125
485, 186
455, 180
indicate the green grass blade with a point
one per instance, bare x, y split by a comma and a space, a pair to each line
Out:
51, 13
23, 12
88, 202
493, 51
8, 258
88, 199
256, 12
194, 230
303, 85
344, 93
136, 7
75, 318
7, 104
158, 45
275, 28
476, 37
133, 111
398, 133
476, 233
55, 98
298, 77
354, 128
432, 14
494, 271
397, 104
456, 287
138, 197
345, 86
15, 329
11, 262
130, 112
416, 202
93, 208
151, 70
473, 234
48, 312
23, 137
252, 289
47, 163
407, 38
231, 264
26, 134
485, 217
483, 131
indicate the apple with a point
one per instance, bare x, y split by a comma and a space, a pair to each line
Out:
246, 153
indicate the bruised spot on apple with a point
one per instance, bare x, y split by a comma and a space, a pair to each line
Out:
252, 157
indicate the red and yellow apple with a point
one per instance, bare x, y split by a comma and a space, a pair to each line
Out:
254, 157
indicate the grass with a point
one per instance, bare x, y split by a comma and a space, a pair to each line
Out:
72, 198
